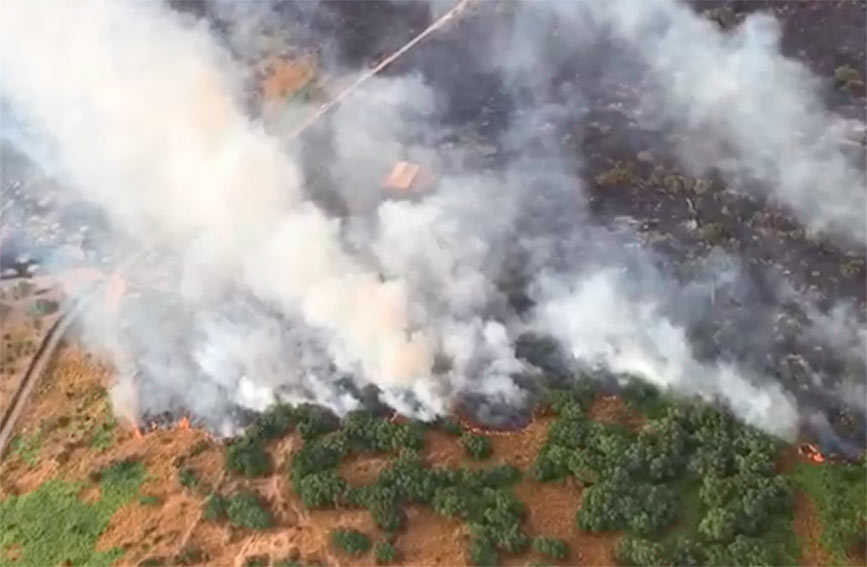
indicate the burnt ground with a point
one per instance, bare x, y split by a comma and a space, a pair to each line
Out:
631, 172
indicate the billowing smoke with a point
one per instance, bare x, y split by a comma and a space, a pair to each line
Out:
275, 292
142, 106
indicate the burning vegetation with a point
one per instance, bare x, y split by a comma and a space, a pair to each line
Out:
325, 266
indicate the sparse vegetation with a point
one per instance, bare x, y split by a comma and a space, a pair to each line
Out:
848, 77
852, 267
26, 446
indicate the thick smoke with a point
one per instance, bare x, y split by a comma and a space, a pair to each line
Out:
274, 296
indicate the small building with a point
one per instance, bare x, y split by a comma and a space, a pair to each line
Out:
407, 180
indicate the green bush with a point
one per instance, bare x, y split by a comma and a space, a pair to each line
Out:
322, 490
384, 552
248, 458
187, 478
477, 446
215, 507
483, 552
552, 547
245, 510
350, 541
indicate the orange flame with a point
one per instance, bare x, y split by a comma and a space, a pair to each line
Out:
136, 432
184, 423
811, 452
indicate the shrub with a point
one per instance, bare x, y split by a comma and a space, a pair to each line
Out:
477, 446
248, 458
483, 552
245, 510
552, 547
188, 478
350, 541
384, 552
215, 507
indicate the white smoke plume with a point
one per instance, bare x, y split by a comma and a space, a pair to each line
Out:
275, 299
143, 108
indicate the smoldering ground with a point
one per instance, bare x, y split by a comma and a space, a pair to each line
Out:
291, 277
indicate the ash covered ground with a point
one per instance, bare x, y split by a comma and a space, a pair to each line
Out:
557, 152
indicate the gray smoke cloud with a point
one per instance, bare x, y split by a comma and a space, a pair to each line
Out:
738, 105
271, 296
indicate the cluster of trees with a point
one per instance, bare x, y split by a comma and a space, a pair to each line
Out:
635, 481
244, 509
247, 455
481, 498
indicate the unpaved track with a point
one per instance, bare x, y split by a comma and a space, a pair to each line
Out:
47, 347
